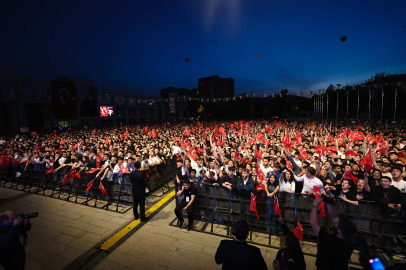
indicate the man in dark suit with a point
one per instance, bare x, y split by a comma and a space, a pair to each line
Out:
237, 254
138, 186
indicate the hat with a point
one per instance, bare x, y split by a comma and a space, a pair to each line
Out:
386, 164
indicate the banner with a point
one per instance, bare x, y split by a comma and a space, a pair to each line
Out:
63, 99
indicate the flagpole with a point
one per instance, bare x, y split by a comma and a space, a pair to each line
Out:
337, 106
382, 105
347, 105
396, 95
327, 106
322, 106
314, 108
358, 105
369, 104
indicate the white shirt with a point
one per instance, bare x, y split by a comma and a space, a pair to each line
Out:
309, 183
286, 185
175, 149
153, 160
266, 170
400, 185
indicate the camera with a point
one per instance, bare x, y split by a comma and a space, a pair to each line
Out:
26, 216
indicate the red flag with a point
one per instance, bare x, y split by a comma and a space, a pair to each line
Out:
238, 157
322, 209
261, 137
186, 131
317, 191
348, 176
107, 140
192, 153
103, 190
177, 139
286, 141
260, 173
340, 141
153, 133
89, 186
92, 170
298, 231
331, 150
351, 153
288, 163
303, 154
72, 173
94, 131
330, 138
78, 175
98, 160
367, 162
121, 136
63, 141
50, 170
278, 210
297, 141
126, 133
258, 153
38, 147
382, 146
85, 127
253, 205
59, 151
146, 130
65, 180
75, 147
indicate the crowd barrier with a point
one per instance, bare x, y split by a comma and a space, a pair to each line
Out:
218, 205
119, 193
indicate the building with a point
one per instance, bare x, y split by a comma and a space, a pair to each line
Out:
69, 101
216, 87
180, 104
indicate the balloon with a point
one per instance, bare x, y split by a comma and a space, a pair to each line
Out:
343, 38
187, 60
113, 55
258, 56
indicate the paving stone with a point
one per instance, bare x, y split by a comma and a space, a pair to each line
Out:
144, 264
208, 250
32, 265
64, 239
81, 244
57, 262
161, 248
124, 248
122, 258
71, 253
106, 265
56, 248
74, 232
188, 245
91, 237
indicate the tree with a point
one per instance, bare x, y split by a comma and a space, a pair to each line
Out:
284, 91
379, 75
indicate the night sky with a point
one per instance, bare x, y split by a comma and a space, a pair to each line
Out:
299, 42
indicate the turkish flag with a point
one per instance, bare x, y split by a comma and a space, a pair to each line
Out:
177, 139
351, 153
297, 141
278, 210
303, 154
62, 141
192, 153
103, 190
186, 131
238, 157
92, 170
340, 141
288, 163
348, 176
146, 130
153, 133
78, 175
286, 141
50, 170
126, 133
65, 180
330, 138
72, 173
89, 186
367, 162
107, 140
258, 153
94, 131
98, 160
298, 231
261, 137
121, 136
75, 147
331, 150
260, 173
253, 205
382, 146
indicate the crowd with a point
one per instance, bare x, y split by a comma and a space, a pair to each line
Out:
352, 163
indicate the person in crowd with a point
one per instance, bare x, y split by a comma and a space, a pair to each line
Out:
237, 254
290, 257
245, 185
363, 191
397, 179
389, 197
188, 193
333, 250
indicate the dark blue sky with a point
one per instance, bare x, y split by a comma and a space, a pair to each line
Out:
299, 42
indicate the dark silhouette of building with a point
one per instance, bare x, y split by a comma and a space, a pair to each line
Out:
216, 87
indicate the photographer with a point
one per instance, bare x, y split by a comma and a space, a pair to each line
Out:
13, 236
333, 250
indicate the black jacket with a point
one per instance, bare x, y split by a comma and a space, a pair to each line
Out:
9, 239
237, 255
138, 183
384, 196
